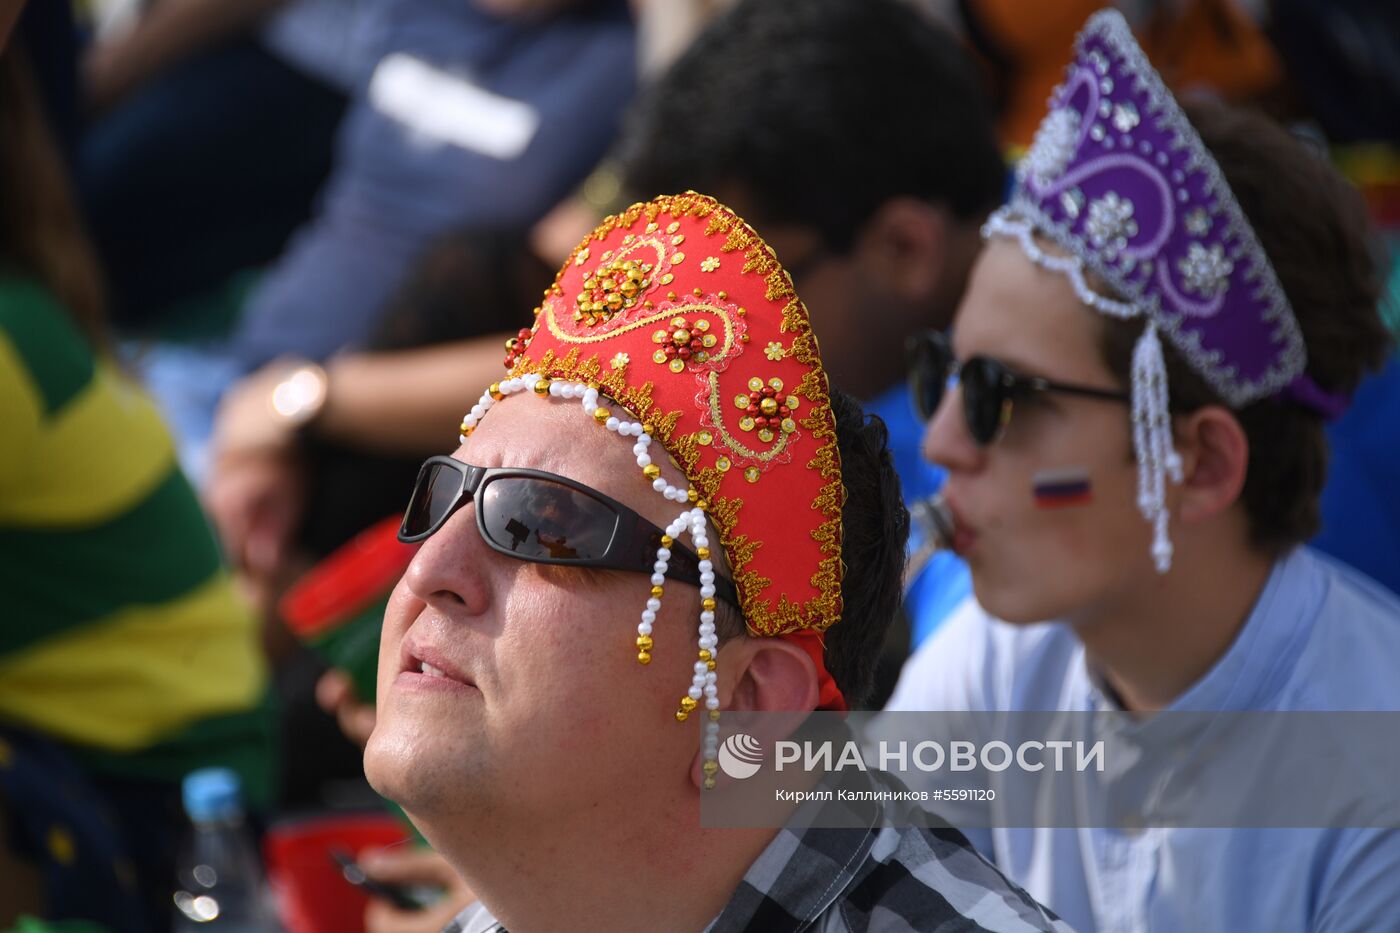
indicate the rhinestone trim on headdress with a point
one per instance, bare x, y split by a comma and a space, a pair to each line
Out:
1120, 180
630, 323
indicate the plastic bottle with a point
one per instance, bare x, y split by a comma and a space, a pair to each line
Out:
219, 880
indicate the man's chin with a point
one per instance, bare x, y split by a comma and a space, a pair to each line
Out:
1006, 601
379, 771
394, 763
418, 768
403, 784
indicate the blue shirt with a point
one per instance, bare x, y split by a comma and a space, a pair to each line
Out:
466, 122
1361, 501
327, 39
943, 582
1320, 637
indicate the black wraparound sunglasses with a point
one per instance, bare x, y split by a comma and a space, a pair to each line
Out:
990, 387
544, 518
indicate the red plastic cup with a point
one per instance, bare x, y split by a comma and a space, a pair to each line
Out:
338, 607
312, 893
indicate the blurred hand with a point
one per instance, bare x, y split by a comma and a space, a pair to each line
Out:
255, 501
162, 35
246, 421
335, 693
413, 866
254, 492
109, 71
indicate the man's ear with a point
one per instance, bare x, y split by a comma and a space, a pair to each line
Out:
764, 675
904, 245
770, 674
1214, 462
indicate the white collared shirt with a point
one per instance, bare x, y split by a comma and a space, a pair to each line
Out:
1321, 637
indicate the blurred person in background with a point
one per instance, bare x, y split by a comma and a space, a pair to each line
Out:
209, 128
476, 116
126, 658
1134, 507
470, 116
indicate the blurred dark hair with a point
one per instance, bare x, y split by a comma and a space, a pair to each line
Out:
41, 235
821, 111
1314, 228
874, 529
494, 275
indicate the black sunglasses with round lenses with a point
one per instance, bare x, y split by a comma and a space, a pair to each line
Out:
990, 389
544, 518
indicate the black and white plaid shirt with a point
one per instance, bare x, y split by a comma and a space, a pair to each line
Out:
888, 878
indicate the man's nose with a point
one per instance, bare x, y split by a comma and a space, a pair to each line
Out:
947, 441
450, 572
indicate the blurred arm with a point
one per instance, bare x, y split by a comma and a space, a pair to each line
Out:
172, 30
407, 402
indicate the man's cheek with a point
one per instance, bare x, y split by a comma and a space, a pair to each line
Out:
403, 607
400, 611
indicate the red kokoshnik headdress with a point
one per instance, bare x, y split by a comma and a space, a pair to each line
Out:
677, 311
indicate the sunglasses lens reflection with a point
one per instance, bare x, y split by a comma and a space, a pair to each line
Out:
536, 519
982, 398
437, 488
930, 376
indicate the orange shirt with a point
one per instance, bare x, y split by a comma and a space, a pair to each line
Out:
1197, 43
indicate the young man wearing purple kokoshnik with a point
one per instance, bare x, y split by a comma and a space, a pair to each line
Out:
1164, 318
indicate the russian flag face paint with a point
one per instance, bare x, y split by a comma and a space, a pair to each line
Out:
1055, 489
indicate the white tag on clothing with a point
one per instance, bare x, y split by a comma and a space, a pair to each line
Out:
448, 108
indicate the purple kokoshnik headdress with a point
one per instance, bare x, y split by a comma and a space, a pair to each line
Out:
1120, 180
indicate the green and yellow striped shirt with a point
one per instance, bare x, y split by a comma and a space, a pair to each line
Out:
120, 631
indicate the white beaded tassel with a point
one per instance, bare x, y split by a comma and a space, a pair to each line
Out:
1152, 441
703, 668
706, 680
658, 581
1152, 436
